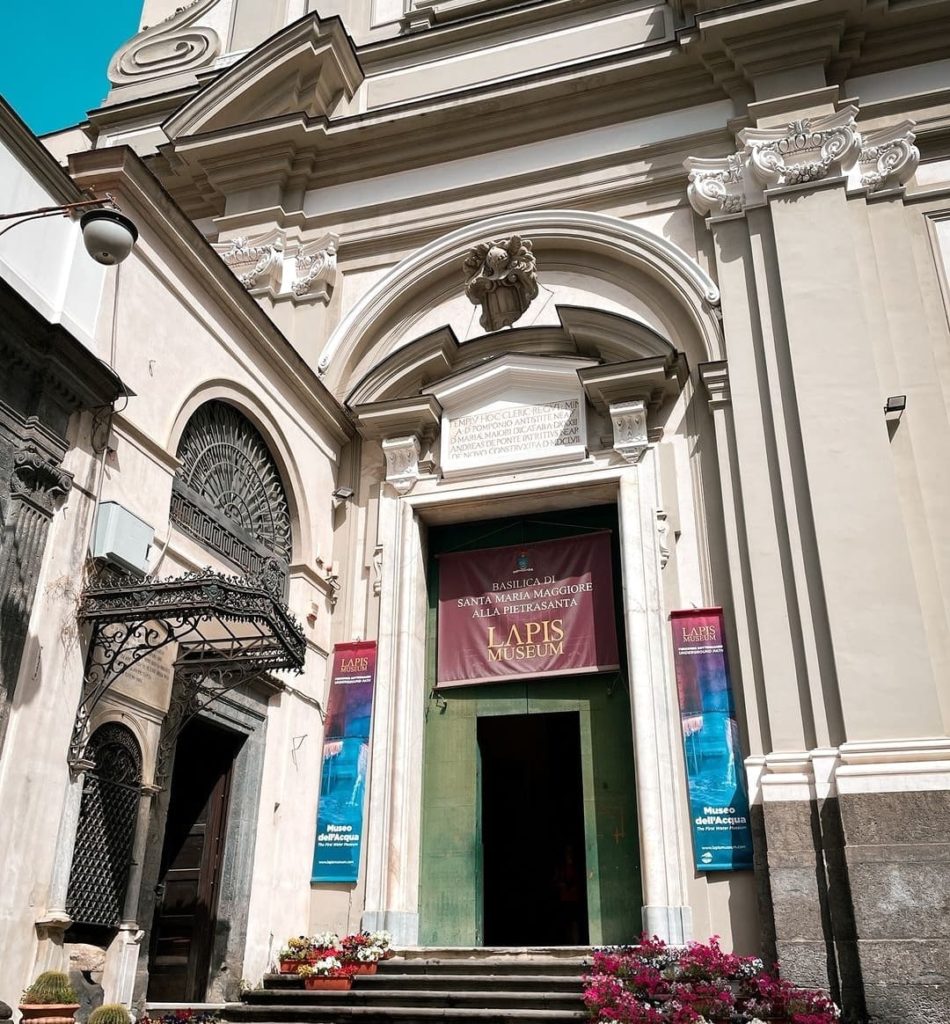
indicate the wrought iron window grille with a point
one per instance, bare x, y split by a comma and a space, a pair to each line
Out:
227, 493
106, 828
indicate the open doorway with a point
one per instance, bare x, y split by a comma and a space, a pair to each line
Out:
532, 829
184, 926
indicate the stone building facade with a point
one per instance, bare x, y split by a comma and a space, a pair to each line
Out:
719, 232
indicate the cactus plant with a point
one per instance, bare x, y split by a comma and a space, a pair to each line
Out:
50, 988
110, 1013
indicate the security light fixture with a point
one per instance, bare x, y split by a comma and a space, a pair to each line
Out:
107, 234
894, 407
343, 493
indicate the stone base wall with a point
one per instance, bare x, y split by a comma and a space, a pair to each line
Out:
859, 888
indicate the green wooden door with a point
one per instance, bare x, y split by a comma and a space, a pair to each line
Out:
451, 883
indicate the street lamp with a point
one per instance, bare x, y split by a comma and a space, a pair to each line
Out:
107, 234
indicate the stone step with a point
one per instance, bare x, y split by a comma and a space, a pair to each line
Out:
290, 1003
451, 982
312, 1013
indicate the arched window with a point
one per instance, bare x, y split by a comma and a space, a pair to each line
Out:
228, 493
106, 830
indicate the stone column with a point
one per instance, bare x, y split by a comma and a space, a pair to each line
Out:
657, 756
395, 798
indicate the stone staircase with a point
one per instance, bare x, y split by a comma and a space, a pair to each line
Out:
481, 986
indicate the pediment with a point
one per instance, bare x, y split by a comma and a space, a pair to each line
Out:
306, 68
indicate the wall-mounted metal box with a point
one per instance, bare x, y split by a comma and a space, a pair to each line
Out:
121, 538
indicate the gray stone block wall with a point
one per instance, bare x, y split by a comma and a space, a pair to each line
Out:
860, 895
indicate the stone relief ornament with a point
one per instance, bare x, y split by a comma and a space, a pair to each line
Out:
663, 536
258, 266
315, 270
175, 44
501, 278
888, 157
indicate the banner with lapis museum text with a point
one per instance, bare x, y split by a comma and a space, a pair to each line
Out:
715, 774
336, 856
525, 611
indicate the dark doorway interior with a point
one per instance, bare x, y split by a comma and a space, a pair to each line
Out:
534, 872
184, 926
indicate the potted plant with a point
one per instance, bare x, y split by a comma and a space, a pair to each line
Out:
381, 941
322, 945
326, 974
50, 999
296, 952
110, 1013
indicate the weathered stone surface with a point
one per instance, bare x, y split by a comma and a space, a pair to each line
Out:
887, 818
797, 901
907, 1004
902, 898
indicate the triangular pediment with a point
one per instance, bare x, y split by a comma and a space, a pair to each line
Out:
306, 68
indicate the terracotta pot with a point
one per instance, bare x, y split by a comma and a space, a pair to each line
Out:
290, 966
49, 1013
366, 968
327, 984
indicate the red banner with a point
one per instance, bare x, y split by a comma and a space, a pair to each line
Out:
530, 610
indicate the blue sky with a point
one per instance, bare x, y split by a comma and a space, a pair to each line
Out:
54, 55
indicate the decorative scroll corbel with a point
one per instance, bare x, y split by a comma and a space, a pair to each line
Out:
315, 270
257, 264
716, 186
888, 157
629, 421
402, 463
175, 44
39, 481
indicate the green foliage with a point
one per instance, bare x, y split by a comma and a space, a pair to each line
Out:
110, 1013
49, 988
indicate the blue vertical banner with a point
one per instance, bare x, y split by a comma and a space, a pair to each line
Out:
336, 855
715, 775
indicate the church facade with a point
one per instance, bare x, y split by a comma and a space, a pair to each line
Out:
572, 375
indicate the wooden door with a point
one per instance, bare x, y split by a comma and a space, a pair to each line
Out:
183, 930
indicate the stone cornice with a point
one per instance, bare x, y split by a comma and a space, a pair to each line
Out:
121, 172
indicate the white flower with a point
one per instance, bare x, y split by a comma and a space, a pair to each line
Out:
326, 940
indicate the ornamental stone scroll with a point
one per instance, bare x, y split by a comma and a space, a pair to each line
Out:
173, 45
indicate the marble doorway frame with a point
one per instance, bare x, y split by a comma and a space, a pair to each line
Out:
393, 855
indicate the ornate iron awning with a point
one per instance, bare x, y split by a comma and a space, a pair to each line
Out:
229, 630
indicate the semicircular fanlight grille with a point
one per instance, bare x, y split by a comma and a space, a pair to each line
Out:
227, 467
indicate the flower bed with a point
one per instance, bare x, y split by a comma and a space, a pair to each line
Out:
653, 983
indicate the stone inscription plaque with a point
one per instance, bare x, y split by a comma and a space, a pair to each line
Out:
516, 429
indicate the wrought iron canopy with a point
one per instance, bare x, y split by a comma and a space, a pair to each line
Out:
228, 629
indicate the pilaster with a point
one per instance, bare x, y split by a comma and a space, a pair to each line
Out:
656, 744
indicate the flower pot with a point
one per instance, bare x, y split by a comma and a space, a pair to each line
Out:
327, 984
49, 1013
290, 966
366, 968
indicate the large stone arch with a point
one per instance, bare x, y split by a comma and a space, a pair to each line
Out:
588, 259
